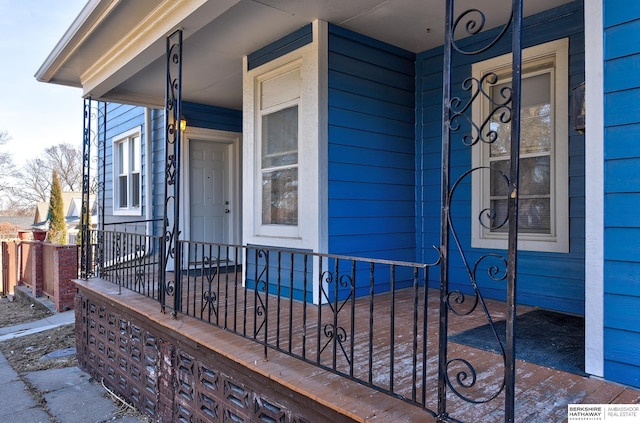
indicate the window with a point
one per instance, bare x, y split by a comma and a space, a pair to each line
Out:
127, 159
543, 193
284, 148
280, 167
277, 150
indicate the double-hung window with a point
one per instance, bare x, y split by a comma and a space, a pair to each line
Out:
543, 188
127, 183
285, 148
277, 151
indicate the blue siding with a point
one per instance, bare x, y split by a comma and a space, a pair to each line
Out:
197, 116
284, 272
212, 117
371, 147
157, 122
548, 280
622, 192
122, 118
286, 44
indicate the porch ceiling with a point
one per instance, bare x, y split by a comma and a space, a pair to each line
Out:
115, 49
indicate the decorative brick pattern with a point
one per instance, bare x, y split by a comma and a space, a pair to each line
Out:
171, 381
118, 352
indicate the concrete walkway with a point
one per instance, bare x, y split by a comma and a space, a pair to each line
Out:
66, 395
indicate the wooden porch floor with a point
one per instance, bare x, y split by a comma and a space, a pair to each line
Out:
542, 394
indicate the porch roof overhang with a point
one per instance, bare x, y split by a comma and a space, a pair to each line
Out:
114, 50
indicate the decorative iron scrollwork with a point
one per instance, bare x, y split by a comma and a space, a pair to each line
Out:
261, 286
140, 252
209, 297
459, 374
94, 135
335, 334
173, 105
460, 109
472, 22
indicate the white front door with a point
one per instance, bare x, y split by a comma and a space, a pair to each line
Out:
210, 216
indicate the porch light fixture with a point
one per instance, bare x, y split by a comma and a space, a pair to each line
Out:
183, 123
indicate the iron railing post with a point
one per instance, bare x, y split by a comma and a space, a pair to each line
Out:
171, 221
444, 216
514, 176
85, 246
460, 28
91, 132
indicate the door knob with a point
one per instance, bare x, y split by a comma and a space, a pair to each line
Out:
227, 211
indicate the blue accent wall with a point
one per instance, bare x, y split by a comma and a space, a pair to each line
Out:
622, 191
278, 48
371, 136
548, 280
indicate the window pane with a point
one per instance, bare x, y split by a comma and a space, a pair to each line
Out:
122, 190
135, 190
536, 112
122, 157
136, 154
534, 215
280, 197
280, 138
535, 176
499, 185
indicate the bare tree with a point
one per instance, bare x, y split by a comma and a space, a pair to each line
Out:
66, 161
6, 162
34, 178
35, 182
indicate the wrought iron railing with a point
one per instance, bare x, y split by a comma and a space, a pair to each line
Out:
363, 319
127, 259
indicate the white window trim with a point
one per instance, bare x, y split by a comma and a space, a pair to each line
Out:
276, 230
311, 232
117, 210
558, 240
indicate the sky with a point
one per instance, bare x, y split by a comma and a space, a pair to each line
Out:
35, 115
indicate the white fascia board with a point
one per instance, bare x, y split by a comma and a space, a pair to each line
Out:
145, 42
91, 16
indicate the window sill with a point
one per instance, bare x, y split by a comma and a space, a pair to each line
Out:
125, 212
543, 246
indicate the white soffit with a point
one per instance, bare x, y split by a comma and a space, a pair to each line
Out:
117, 51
